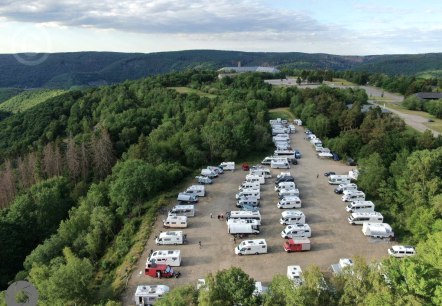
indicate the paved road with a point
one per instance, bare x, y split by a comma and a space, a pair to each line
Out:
332, 236
415, 121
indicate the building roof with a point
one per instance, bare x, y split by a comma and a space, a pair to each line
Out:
249, 69
429, 95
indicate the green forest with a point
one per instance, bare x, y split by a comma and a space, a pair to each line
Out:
27, 99
88, 170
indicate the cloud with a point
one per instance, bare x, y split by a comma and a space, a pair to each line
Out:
162, 16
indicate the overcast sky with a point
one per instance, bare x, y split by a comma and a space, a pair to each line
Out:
313, 26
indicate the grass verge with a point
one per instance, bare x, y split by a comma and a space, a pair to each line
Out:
188, 90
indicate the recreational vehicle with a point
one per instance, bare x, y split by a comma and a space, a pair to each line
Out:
208, 173
377, 230
361, 217
255, 178
187, 198
247, 202
172, 237
354, 196
248, 247
296, 230
237, 226
175, 221
338, 179
147, 295
249, 185
198, 190
166, 257
248, 193
285, 185
244, 215
289, 217
261, 172
343, 187
182, 210
288, 193
360, 206
227, 166
289, 202
294, 273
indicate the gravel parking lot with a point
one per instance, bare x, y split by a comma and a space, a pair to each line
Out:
332, 236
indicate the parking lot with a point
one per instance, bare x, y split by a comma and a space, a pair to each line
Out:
332, 236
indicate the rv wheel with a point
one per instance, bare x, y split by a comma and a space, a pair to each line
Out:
175, 243
240, 254
256, 253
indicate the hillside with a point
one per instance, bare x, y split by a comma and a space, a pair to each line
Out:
28, 99
7, 93
64, 70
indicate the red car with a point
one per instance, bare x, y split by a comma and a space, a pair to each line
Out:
245, 167
159, 271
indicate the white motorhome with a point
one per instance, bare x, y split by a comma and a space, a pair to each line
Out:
354, 196
292, 128
187, 198
172, 237
182, 210
209, 173
227, 166
265, 172
199, 190
338, 179
276, 131
204, 179
175, 221
249, 185
166, 257
147, 295
255, 178
289, 202
246, 193
237, 226
289, 154
288, 193
246, 201
343, 187
361, 217
296, 230
377, 230
353, 174
285, 185
248, 247
401, 251
294, 273
344, 265
360, 206
290, 217
298, 121
281, 137
244, 215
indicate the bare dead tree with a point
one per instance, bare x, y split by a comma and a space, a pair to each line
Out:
73, 159
103, 155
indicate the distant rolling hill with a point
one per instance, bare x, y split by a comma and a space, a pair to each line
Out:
65, 70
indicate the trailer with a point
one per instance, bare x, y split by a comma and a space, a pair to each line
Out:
242, 226
377, 230
166, 257
147, 295
298, 244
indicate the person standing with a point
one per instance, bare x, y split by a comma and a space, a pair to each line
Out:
199, 243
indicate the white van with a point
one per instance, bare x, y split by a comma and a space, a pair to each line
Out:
166, 257
360, 206
280, 164
182, 210
288, 193
249, 185
285, 185
175, 221
199, 190
289, 217
173, 237
361, 217
246, 201
244, 215
248, 247
248, 193
354, 196
296, 230
344, 187
289, 202
401, 251
255, 178
338, 179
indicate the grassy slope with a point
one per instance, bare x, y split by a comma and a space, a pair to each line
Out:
28, 99
8, 93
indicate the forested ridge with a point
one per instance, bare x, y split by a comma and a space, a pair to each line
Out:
103, 159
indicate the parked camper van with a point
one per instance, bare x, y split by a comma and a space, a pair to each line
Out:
209, 173
361, 217
147, 295
338, 179
248, 185
296, 230
244, 215
288, 193
289, 202
354, 196
227, 166
255, 178
280, 164
216, 169
175, 221
260, 171
343, 187
294, 273
246, 193
198, 190
247, 201
204, 180
166, 257
187, 198
297, 245
285, 185
289, 217
401, 251
173, 237
239, 226
377, 230
360, 206
248, 247
182, 210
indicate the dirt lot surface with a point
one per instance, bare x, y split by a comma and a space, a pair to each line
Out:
332, 236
